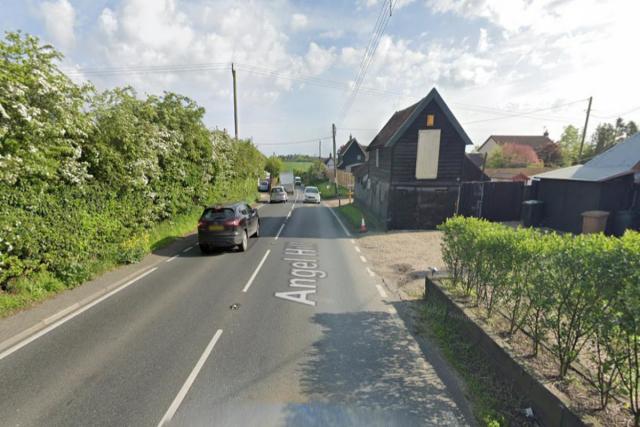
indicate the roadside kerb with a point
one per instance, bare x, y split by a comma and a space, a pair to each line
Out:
548, 408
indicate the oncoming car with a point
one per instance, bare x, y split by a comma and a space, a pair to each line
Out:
278, 195
227, 226
311, 195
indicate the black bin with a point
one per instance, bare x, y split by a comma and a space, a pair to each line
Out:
623, 220
532, 213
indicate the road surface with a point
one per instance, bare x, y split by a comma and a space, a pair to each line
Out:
296, 331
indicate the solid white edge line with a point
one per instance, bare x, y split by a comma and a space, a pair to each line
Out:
65, 319
357, 249
255, 273
339, 221
187, 249
381, 291
370, 271
363, 259
172, 258
190, 380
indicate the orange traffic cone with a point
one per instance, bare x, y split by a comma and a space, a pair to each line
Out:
363, 226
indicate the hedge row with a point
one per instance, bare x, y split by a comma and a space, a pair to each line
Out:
578, 294
85, 175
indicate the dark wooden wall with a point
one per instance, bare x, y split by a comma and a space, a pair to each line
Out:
405, 150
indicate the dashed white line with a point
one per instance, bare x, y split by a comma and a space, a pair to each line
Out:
371, 273
255, 273
172, 258
392, 311
357, 249
188, 249
60, 322
289, 215
363, 259
279, 231
381, 291
190, 379
353, 241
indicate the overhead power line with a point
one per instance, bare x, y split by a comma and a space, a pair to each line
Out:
303, 141
527, 112
374, 41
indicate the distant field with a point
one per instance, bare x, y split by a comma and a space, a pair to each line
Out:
289, 166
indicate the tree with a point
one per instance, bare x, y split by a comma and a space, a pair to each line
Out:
496, 158
551, 155
607, 135
570, 145
273, 165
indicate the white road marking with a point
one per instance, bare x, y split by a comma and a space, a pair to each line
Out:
64, 320
255, 273
353, 241
381, 291
188, 249
279, 231
371, 273
363, 259
339, 221
289, 214
357, 249
172, 258
190, 379
392, 311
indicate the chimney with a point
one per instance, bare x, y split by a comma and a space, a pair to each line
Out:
546, 133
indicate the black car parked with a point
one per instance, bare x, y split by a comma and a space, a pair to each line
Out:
227, 226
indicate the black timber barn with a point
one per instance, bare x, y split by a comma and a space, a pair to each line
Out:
351, 155
415, 166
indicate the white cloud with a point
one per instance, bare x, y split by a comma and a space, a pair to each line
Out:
483, 40
59, 21
299, 21
319, 59
108, 21
332, 34
397, 4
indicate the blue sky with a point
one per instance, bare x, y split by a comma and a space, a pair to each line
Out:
504, 66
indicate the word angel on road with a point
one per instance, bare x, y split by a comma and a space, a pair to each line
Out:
304, 273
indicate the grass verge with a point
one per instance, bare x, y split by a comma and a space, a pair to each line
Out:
494, 404
353, 216
39, 286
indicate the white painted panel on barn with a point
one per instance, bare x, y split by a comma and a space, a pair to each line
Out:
428, 152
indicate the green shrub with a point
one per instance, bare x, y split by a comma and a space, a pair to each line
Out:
567, 290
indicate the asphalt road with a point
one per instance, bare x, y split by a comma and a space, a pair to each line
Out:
295, 331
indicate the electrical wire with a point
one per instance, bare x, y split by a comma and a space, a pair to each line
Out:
304, 141
526, 112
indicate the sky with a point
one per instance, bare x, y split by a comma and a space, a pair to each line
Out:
502, 66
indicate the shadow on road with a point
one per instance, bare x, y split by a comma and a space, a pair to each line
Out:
364, 371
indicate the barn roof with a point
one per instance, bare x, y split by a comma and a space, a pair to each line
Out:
400, 120
621, 159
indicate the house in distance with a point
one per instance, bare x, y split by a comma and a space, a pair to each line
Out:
351, 155
416, 164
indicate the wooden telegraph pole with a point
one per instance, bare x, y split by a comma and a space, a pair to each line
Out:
235, 101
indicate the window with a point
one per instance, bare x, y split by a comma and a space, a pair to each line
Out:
217, 214
427, 155
359, 157
378, 158
430, 120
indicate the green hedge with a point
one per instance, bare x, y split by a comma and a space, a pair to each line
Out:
86, 177
572, 292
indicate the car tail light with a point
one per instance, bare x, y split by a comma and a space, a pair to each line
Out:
232, 222
202, 223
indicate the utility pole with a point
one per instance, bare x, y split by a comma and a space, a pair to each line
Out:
584, 130
335, 162
235, 101
319, 149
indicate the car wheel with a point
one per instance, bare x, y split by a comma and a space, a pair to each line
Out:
257, 233
245, 242
204, 248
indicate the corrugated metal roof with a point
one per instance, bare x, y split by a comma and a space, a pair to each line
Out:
621, 159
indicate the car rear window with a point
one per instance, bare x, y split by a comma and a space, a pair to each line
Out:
311, 190
277, 190
214, 214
